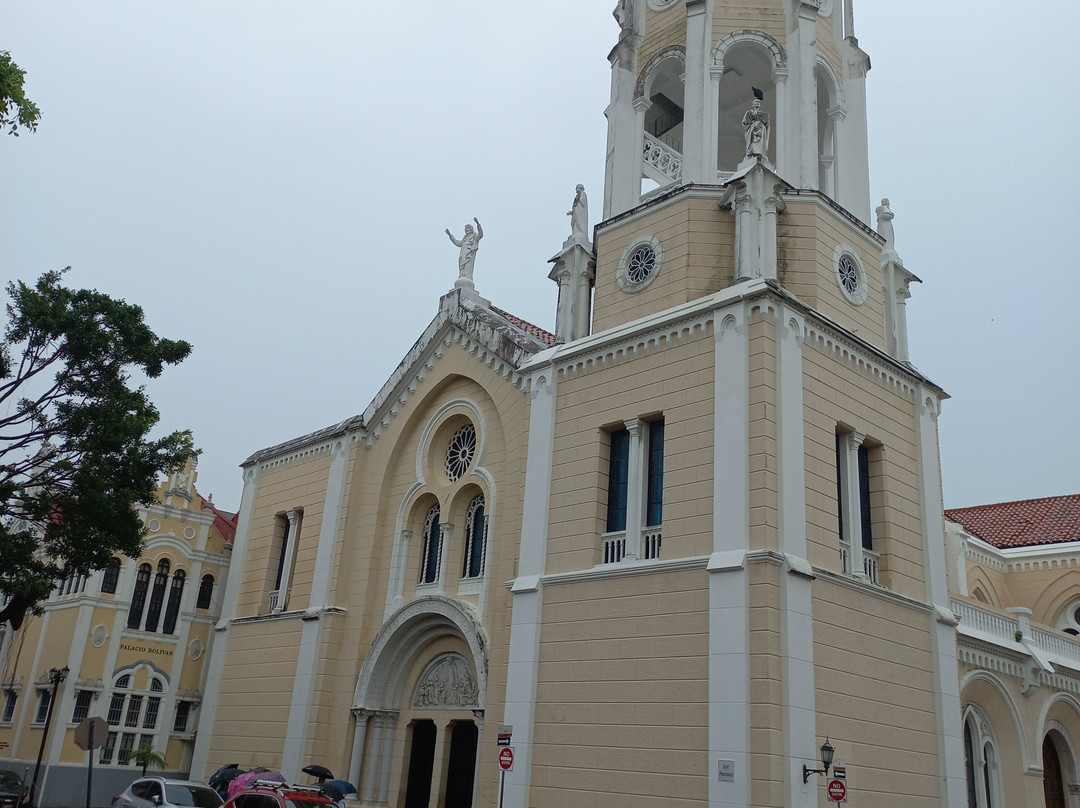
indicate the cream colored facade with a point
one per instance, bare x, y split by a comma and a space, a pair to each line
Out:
135, 638
711, 533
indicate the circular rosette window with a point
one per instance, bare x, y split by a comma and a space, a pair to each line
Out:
461, 452
661, 5
640, 264
850, 275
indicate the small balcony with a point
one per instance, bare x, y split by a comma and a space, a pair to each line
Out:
615, 549
278, 600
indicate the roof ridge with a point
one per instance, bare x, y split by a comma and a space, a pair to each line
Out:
1012, 502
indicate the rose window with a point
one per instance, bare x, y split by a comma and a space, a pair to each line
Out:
641, 265
461, 452
849, 275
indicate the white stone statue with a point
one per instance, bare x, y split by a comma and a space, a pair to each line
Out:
624, 14
885, 225
756, 123
579, 214
468, 244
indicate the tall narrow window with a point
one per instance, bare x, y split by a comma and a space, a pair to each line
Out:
654, 508
429, 573
138, 597
82, 706
864, 497
206, 592
127, 743
157, 597
475, 532
110, 576
618, 470
134, 708
284, 553
153, 704
10, 698
116, 709
108, 749
183, 712
44, 702
176, 592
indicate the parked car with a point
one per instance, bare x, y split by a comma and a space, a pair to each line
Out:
14, 793
161, 792
265, 794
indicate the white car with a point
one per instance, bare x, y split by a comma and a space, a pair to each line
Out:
161, 792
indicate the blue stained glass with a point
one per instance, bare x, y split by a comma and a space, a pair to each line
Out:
618, 470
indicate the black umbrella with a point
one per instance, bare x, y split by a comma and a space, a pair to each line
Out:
320, 772
333, 792
224, 775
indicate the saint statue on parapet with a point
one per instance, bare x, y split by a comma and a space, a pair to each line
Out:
579, 214
756, 123
467, 256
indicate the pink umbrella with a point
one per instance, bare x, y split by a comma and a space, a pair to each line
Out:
247, 778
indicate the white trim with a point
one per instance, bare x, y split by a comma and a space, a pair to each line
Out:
943, 637
524, 651
308, 652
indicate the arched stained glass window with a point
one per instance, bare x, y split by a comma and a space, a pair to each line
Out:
475, 539
206, 592
176, 592
110, 576
157, 597
429, 573
138, 597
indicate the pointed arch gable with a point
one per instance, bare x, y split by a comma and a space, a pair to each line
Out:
408, 631
1055, 596
978, 579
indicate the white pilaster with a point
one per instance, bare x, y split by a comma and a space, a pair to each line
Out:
524, 650
219, 642
797, 647
386, 756
446, 531
622, 181
304, 681
698, 39
729, 626
852, 144
803, 53
635, 488
943, 628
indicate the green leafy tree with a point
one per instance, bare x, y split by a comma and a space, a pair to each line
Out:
145, 756
76, 456
15, 108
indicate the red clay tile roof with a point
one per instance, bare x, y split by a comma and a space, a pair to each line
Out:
1022, 524
224, 522
545, 337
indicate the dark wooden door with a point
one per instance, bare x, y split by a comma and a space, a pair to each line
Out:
1053, 789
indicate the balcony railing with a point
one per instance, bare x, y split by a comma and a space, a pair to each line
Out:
1003, 628
870, 562
615, 545
661, 162
278, 599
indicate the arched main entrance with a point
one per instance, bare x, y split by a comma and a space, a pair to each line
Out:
419, 707
1053, 785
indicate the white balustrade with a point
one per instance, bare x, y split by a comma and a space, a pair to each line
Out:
662, 159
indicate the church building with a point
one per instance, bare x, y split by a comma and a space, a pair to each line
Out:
688, 549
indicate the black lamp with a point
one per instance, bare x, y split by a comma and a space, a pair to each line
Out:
826, 761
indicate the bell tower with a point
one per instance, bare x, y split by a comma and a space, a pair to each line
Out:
684, 74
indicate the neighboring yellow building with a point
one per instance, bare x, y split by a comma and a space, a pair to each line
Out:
135, 638
1015, 574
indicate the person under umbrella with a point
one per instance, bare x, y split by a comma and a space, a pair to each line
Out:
321, 773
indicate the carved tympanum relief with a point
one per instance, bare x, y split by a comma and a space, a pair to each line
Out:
449, 681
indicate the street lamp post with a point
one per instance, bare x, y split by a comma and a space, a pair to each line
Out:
56, 677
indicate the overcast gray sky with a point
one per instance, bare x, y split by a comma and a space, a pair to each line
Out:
271, 181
